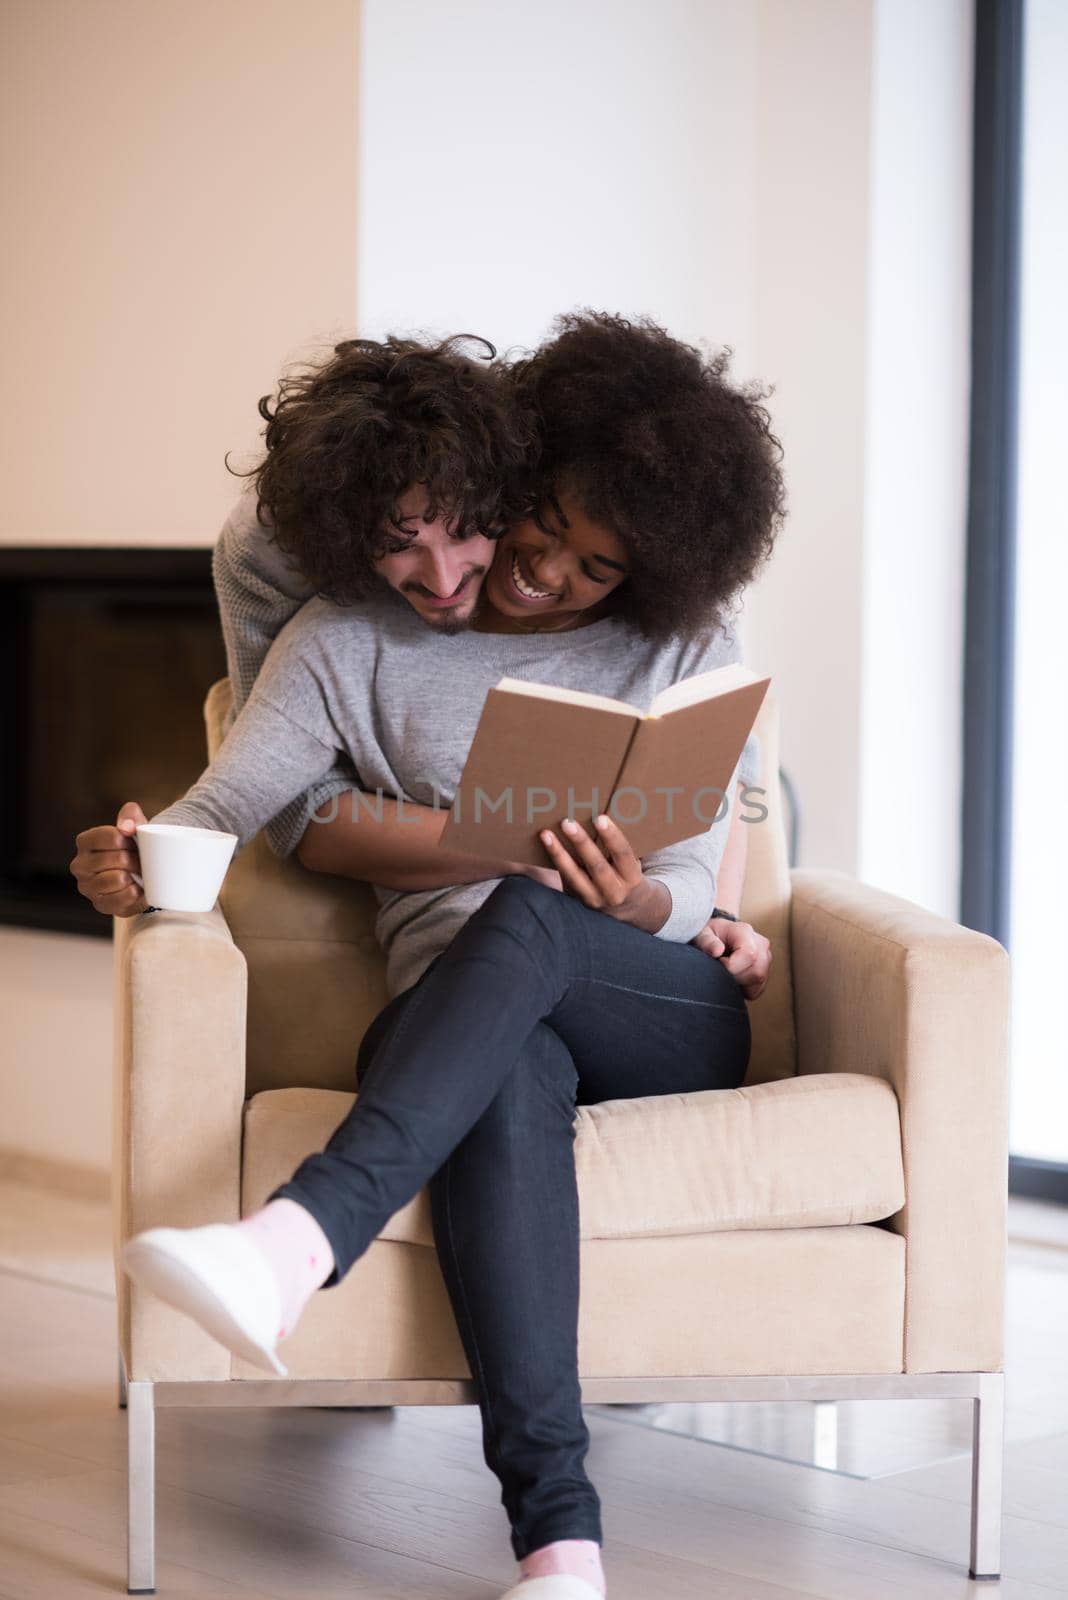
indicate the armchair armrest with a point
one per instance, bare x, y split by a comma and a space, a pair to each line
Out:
179, 1092
885, 987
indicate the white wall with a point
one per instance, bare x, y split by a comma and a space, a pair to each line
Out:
516, 162
809, 288
916, 445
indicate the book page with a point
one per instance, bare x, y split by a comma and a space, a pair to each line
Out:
571, 697
702, 687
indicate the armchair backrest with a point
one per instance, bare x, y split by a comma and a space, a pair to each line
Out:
316, 975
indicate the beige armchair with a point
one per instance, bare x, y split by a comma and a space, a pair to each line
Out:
835, 1229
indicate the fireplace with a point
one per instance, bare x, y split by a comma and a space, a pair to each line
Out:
107, 655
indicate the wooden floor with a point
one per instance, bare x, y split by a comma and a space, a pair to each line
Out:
398, 1503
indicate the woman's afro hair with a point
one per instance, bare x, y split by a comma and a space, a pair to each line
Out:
650, 438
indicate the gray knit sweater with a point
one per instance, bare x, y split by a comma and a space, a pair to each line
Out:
368, 696
258, 590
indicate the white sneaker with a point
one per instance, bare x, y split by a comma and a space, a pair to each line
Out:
217, 1276
554, 1586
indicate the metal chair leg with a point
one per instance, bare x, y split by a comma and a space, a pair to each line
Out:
988, 1443
122, 1383
141, 1489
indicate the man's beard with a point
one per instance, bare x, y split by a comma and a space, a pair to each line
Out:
451, 623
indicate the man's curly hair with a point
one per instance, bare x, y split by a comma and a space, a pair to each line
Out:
650, 438
348, 437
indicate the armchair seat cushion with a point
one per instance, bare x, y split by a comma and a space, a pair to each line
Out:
813, 1151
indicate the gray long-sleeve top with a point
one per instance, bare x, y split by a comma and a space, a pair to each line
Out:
259, 589
371, 695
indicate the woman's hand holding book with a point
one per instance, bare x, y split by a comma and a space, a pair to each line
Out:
609, 879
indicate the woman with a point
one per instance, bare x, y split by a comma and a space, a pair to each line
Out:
656, 495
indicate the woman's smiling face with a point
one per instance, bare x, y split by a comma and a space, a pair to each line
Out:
558, 565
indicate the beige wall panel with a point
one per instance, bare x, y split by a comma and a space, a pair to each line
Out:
178, 186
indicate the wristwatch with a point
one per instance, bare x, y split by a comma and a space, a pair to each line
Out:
716, 912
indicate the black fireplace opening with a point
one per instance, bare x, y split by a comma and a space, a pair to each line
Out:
106, 655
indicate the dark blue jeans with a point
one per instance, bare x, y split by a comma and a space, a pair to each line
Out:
468, 1082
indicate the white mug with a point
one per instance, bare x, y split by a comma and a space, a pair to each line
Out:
183, 867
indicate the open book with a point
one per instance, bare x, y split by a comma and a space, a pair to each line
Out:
541, 754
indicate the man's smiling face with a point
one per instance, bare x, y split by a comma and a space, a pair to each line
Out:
438, 574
